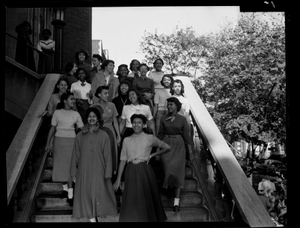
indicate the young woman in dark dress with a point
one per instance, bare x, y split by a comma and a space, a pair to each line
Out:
70, 69
24, 53
174, 131
123, 72
46, 46
81, 58
122, 98
141, 200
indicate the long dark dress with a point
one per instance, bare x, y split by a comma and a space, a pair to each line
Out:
141, 201
175, 134
46, 62
120, 101
92, 166
24, 54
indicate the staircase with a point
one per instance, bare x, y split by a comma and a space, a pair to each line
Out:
51, 208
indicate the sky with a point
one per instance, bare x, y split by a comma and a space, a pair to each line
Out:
121, 28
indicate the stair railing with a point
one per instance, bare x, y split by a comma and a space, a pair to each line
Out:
25, 150
229, 173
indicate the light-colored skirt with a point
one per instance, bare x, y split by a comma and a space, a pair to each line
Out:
62, 154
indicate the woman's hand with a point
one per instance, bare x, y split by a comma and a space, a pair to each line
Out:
49, 149
116, 185
118, 140
149, 158
44, 113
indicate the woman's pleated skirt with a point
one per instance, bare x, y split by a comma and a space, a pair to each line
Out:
141, 200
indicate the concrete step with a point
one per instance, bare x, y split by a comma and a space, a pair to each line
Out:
52, 208
192, 214
187, 199
189, 214
55, 187
157, 170
54, 202
189, 185
50, 188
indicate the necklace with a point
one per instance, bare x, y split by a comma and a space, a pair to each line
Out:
124, 102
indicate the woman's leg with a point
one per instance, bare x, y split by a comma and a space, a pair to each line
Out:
176, 200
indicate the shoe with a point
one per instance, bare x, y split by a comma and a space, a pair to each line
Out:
70, 201
176, 208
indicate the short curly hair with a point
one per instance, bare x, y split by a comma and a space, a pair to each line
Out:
95, 109
131, 63
176, 101
182, 87
99, 90
159, 59
139, 116
139, 96
166, 76
81, 51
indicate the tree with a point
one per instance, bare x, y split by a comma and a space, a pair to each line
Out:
182, 51
244, 86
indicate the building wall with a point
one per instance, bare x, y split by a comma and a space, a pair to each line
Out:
78, 33
96, 47
39, 18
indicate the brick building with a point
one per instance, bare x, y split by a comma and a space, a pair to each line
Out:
77, 34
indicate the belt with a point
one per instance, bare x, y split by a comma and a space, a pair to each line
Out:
137, 160
173, 136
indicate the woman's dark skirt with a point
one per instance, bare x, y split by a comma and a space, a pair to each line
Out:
82, 106
141, 201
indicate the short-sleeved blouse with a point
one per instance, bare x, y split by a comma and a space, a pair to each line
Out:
109, 112
185, 108
160, 98
129, 110
65, 121
80, 91
46, 45
156, 77
139, 146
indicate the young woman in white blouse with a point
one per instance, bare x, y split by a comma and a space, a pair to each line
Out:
157, 74
61, 139
82, 93
141, 201
136, 107
46, 46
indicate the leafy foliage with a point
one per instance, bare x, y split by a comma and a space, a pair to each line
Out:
244, 86
182, 51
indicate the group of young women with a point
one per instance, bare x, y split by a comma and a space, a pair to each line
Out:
105, 131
